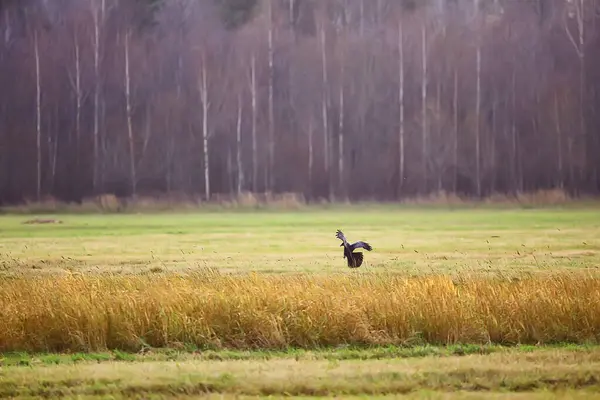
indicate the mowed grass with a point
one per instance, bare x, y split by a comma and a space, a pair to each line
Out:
539, 375
413, 241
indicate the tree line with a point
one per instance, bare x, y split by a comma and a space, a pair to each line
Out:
334, 99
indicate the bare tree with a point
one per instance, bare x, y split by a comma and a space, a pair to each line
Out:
38, 119
271, 171
325, 111
558, 126
478, 99
163, 117
132, 169
96, 156
455, 130
478, 122
401, 164
577, 11
78, 97
341, 181
254, 95
240, 168
310, 153
515, 147
424, 128
205, 108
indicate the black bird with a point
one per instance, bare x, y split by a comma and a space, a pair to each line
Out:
354, 259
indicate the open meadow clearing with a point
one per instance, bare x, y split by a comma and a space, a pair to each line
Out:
449, 303
406, 241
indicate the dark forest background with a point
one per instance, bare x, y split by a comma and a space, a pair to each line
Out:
334, 99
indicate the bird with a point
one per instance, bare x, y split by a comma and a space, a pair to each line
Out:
355, 260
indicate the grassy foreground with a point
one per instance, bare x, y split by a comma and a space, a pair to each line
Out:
538, 374
210, 310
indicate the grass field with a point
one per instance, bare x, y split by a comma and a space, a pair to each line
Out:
405, 241
540, 374
260, 304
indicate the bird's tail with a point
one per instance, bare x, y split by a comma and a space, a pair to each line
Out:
355, 260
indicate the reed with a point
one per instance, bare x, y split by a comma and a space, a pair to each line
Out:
213, 310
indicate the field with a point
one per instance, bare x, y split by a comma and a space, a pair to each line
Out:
450, 303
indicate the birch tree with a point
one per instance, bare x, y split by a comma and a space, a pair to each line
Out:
577, 12
401, 163
478, 121
38, 118
424, 122
203, 88
76, 83
132, 168
341, 177
96, 157
325, 111
271, 170
478, 27
254, 95
240, 168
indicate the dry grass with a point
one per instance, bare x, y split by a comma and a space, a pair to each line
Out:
109, 203
211, 310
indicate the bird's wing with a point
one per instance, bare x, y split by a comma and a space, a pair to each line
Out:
340, 236
362, 244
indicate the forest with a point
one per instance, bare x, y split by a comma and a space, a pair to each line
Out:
331, 99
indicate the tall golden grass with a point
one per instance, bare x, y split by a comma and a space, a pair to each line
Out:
210, 310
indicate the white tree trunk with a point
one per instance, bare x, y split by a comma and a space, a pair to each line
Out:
477, 124
38, 191
515, 152
558, 142
455, 107
7, 27
205, 108
292, 19
78, 100
240, 169
230, 178
341, 130
254, 116
362, 18
310, 154
493, 157
96, 134
324, 110
132, 171
424, 133
170, 151
401, 166
579, 45
440, 159
271, 171
52, 147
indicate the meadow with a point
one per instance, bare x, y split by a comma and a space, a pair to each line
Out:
450, 303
